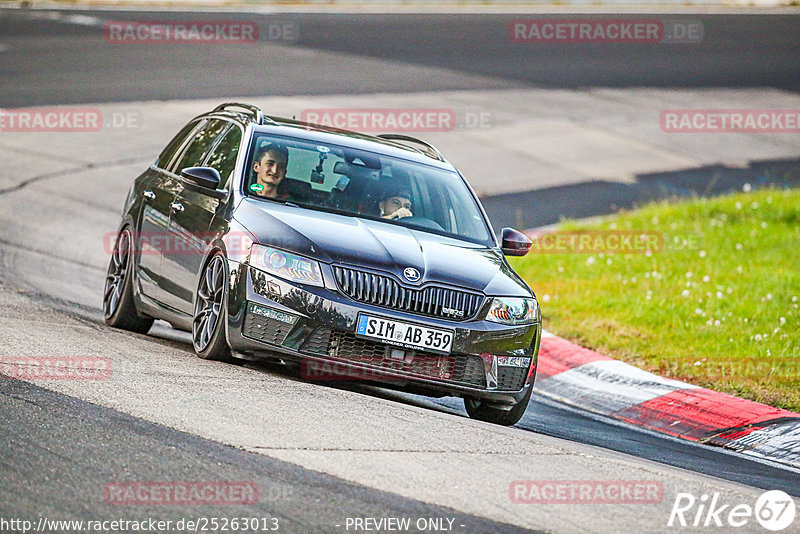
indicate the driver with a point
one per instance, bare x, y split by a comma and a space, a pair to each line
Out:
395, 203
270, 168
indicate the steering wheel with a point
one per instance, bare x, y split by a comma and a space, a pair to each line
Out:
422, 222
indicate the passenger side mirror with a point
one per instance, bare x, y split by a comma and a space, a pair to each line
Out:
515, 243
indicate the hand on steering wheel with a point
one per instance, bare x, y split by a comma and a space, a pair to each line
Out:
400, 213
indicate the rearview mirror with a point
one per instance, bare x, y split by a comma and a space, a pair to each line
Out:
515, 243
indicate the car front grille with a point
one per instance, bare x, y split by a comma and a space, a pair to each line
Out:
384, 291
458, 368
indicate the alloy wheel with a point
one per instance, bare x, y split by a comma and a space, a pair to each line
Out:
117, 271
208, 305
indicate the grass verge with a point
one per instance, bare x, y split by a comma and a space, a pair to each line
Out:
714, 302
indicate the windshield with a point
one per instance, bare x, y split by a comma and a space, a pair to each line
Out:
364, 184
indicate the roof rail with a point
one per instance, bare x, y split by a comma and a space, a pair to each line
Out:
430, 150
258, 115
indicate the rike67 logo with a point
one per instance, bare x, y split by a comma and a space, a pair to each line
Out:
774, 510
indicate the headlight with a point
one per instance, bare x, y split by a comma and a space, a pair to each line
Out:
286, 265
512, 310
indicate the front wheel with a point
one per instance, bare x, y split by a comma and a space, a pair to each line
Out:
480, 410
119, 309
208, 324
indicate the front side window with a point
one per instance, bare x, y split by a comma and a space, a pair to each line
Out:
201, 145
223, 157
365, 184
169, 152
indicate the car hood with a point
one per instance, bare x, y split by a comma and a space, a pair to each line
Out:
346, 240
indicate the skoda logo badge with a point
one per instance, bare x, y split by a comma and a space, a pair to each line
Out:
411, 274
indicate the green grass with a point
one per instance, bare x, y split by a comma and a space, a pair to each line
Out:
716, 306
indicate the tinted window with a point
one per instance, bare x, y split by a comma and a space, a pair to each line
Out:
174, 145
223, 158
201, 145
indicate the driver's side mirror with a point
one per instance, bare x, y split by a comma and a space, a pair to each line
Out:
207, 177
515, 243
203, 180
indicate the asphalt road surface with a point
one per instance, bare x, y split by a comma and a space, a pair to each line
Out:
319, 454
104, 445
59, 62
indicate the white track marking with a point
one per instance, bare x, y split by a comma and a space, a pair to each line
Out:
608, 386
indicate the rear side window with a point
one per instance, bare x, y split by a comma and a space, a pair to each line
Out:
201, 145
223, 158
169, 152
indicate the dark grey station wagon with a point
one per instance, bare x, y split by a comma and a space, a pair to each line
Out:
351, 256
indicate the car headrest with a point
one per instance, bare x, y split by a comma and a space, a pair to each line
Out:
355, 173
297, 187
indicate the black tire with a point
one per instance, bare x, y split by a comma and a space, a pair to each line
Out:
210, 302
480, 410
119, 309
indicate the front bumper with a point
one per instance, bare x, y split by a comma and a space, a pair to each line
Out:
315, 326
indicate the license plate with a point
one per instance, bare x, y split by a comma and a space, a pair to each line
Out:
402, 334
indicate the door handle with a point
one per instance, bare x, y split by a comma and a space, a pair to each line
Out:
150, 195
177, 206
